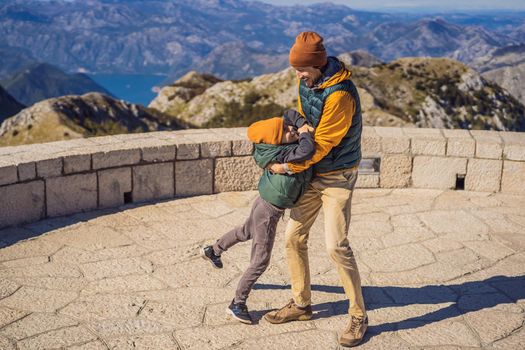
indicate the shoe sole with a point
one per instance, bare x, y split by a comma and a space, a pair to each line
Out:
300, 318
203, 254
350, 345
230, 312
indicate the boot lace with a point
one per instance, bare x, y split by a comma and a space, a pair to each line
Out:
355, 324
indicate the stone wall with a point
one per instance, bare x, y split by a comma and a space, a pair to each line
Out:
61, 178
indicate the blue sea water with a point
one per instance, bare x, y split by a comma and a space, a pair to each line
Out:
135, 88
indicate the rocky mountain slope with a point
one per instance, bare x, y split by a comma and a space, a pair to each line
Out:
506, 67
69, 117
8, 105
232, 39
41, 81
425, 92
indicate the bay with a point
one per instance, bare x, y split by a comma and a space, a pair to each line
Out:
134, 88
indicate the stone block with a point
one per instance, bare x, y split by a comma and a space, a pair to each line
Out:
71, 194
459, 143
393, 140
242, 148
77, 163
367, 181
236, 174
112, 184
483, 175
437, 172
396, 170
8, 174
153, 181
513, 178
428, 145
422, 132
49, 168
514, 145
22, 203
194, 177
215, 149
155, 154
115, 158
26, 171
370, 142
489, 144
188, 151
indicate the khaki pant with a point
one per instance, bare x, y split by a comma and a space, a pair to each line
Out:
333, 193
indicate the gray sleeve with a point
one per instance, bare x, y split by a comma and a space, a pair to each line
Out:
304, 150
294, 118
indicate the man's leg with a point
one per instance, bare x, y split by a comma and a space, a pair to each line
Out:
302, 217
337, 200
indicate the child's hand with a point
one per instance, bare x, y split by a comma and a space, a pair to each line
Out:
305, 128
276, 168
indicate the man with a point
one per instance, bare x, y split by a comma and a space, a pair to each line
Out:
329, 101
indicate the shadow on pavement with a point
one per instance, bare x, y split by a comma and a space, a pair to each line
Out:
464, 298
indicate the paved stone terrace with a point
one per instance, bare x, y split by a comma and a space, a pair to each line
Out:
441, 270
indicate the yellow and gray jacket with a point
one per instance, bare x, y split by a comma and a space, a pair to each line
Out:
334, 109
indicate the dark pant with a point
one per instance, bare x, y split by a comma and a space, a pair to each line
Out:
260, 227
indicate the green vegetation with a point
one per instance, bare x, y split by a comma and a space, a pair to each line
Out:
235, 114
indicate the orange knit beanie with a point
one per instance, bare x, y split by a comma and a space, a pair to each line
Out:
268, 131
308, 51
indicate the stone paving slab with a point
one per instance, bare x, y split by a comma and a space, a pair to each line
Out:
440, 270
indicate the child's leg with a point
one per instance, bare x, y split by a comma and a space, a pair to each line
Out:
262, 226
240, 233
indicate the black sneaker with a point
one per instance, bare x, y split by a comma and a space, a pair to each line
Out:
239, 312
208, 254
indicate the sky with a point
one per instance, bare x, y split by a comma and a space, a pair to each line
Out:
414, 5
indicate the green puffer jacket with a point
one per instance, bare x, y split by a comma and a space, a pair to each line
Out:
280, 190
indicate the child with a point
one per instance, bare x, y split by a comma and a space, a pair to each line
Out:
276, 140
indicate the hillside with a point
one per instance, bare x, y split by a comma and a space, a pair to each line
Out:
8, 105
506, 67
41, 81
70, 117
425, 92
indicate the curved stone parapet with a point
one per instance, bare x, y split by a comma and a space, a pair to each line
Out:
65, 177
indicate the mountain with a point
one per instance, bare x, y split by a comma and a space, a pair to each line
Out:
237, 60
8, 105
232, 39
506, 67
425, 92
70, 117
13, 59
360, 58
41, 81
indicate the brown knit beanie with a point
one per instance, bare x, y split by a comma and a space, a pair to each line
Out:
268, 131
308, 51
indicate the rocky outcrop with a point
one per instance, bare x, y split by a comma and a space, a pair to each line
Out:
70, 117
424, 92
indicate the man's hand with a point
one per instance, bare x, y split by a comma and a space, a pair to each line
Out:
276, 168
305, 128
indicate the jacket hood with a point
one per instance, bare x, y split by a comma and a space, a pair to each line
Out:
335, 73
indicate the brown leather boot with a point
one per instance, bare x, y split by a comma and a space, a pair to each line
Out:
354, 331
290, 312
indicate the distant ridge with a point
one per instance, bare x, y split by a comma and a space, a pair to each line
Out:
73, 116
40, 81
8, 105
